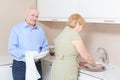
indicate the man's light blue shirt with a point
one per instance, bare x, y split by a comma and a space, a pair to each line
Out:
24, 38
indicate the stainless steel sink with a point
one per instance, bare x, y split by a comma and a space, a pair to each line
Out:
88, 67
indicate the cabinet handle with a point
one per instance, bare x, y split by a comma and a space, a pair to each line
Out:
54, 19
109, 21
11, 66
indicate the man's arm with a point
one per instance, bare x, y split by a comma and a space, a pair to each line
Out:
13, 45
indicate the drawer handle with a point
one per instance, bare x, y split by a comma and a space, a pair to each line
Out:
50, 64
54, 19
11, 66
109, 21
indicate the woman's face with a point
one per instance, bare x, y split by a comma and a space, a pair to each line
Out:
78, 27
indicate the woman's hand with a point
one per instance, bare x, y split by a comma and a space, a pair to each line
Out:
98, 65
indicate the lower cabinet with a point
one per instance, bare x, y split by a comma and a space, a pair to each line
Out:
6, 72
46, 70
84, 76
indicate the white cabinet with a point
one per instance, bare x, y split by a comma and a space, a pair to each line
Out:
84, 76
46, 70
98, 11
6, 72
101, 11
55, 10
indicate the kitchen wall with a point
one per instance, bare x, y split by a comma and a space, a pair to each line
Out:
11, 12
94, 35
106, 36
52, 29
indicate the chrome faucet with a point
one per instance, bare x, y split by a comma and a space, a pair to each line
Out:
104, 55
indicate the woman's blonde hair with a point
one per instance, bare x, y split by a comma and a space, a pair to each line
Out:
75, 18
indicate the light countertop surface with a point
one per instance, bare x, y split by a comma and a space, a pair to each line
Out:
5, 60
111, 73
49, 58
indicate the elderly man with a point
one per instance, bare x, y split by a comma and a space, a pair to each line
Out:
26, 36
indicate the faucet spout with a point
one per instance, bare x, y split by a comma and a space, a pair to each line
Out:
104, 56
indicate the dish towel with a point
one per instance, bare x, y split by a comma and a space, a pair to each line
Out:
31, 70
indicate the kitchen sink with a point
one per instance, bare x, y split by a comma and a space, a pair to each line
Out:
110, 72
91, 68
88, 67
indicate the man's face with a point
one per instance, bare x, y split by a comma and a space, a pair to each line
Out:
32, 17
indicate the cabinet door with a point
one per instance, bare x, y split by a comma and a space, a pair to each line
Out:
6, 72
46, 70
88, 77
100, 10
55, 10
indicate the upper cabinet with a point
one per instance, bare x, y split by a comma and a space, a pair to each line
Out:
100, 11
97, 11
55, 10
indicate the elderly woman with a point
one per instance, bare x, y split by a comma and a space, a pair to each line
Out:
68, 46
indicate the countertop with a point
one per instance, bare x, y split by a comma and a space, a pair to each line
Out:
49, 58
111, 73
5, 60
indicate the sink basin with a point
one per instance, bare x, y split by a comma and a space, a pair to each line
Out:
89, 67
105, 67
110, 72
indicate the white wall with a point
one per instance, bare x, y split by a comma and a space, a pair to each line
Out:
106, 36
52, 29
11, 12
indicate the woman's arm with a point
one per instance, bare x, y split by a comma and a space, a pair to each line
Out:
79, 44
